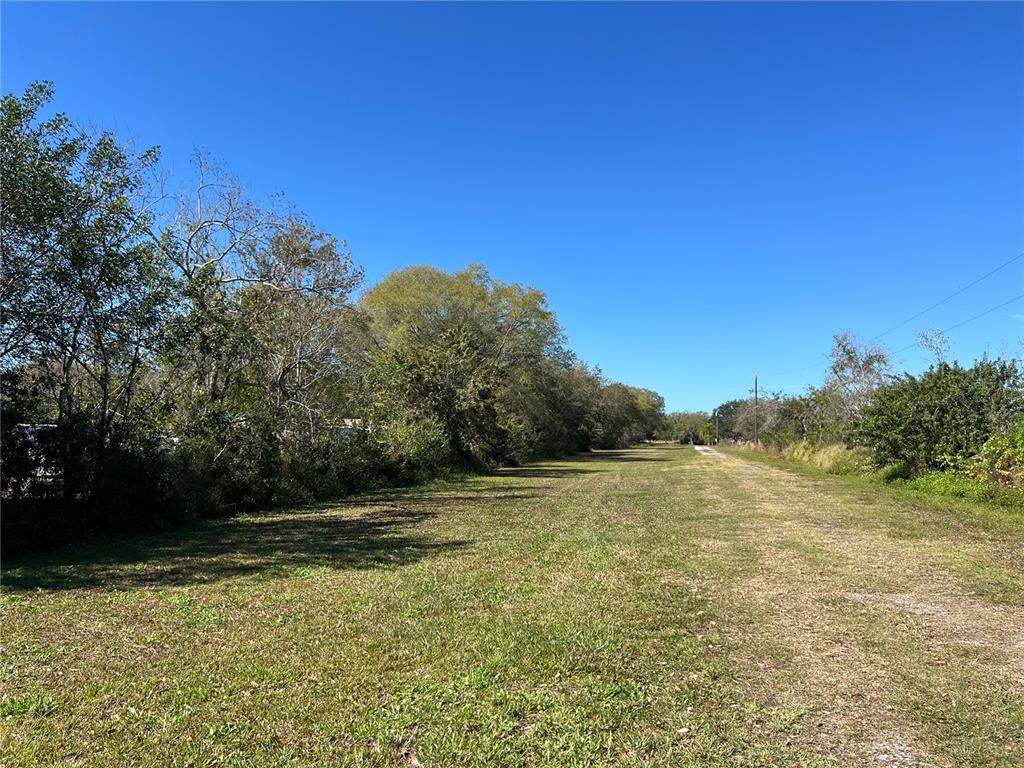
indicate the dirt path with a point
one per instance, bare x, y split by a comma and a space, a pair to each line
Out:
864, 629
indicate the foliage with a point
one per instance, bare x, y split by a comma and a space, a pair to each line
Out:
84, 290
857, 370
1001, 459
950, 418
942, 418
458, 357
725, 416
686, 427
624, 415
825, 415
765, 416
960, 485
171, 354
892, 472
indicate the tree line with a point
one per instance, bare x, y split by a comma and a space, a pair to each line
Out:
173, 347
949, 419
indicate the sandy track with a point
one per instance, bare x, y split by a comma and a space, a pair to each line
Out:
854, 611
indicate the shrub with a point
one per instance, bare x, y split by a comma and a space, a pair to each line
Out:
1002, 457
942, 419
420, 447
897, 471
778, 439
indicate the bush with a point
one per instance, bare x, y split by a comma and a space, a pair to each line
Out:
48, 502
331, 464
1002, 458
897, 471
419, 447
778, 439
942, 419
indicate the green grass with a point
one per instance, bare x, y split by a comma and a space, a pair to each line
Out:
837, 460
965, 487
644, 607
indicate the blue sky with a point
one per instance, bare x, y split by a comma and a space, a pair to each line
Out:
703, 190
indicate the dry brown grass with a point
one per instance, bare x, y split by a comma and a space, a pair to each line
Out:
844, 615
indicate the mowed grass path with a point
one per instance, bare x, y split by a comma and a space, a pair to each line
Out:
645, 607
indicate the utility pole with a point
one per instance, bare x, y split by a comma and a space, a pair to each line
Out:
755, 411
717, 436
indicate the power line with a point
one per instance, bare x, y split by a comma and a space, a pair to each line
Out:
797, 370
1005, 264
926, 310
988, 311
961, 324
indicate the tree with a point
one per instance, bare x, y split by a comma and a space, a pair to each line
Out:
169, 353
856, 370
936, 342
456, 353
686, 427
264, 354
83, 289
766, 414
725, 416
652, 410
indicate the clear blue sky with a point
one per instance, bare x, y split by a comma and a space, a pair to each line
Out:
703, 190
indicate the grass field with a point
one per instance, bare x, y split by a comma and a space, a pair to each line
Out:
646, 607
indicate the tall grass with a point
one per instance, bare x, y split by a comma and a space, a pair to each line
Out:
840, 460
833, 459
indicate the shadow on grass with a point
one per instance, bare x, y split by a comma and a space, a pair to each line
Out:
440, 497
543, 471
581, 464
274, 544
373, 530
625, 455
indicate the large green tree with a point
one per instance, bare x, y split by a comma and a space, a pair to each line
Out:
461, 357
83, 290
686, 427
